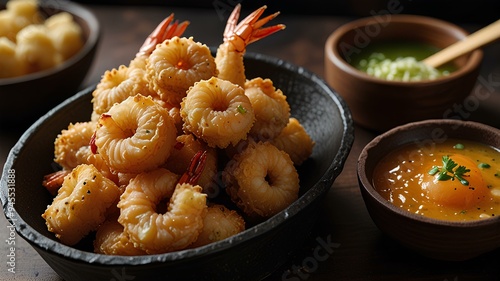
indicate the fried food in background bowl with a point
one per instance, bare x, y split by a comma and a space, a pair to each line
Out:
56, 48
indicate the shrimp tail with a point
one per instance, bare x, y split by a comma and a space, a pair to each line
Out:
167, 29
193, 174
264, 32
249, 29
53, 181
232, 22
236, 38
93, 146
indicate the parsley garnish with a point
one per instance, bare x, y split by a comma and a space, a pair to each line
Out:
241, 109
484, 165
448, 171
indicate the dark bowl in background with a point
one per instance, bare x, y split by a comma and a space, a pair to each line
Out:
28, 97
437, 239
250, 255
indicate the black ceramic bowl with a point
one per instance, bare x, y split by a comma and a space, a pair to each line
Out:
26, 98
250, 255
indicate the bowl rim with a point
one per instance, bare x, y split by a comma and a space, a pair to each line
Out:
92, 40
40, 241
366, 185
335, 58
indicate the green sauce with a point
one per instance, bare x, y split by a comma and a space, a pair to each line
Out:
399, 60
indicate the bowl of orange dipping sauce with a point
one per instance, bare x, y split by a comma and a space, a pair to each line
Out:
434, 187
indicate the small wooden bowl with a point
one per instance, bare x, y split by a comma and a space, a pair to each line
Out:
379, 104
438, 239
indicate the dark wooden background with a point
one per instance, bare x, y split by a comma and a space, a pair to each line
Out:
362, 252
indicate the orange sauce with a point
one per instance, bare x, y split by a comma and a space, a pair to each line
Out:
404, 178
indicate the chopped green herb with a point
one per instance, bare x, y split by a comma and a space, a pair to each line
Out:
459, 146
448, 171
241, 109
484, 165
434, 170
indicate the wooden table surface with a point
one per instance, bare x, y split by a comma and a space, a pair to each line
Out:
361, 251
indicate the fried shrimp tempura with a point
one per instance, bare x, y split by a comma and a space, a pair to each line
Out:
135, 135
81, 204
218, 112
156, 232
262, 180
